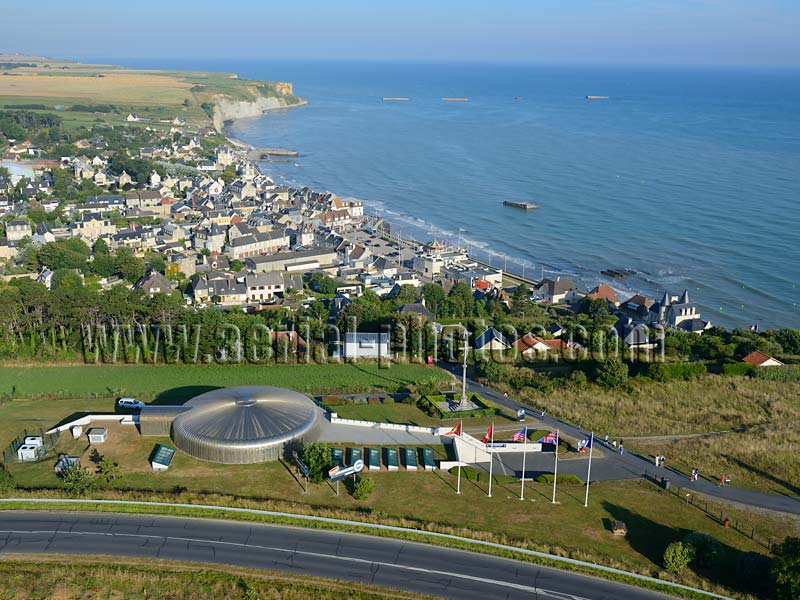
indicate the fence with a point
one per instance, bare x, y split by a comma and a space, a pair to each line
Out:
49, 440
695, 498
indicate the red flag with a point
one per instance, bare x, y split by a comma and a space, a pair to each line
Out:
455, 430
488, 435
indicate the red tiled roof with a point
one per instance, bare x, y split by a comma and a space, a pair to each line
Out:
758, 358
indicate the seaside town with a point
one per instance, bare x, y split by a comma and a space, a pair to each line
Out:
223, 233
181, 333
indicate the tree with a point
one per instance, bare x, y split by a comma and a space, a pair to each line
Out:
130, 266
229, 174
78, 480
708, 551
786, 569
108, 470
611, 373
407, 294
434, 297
677, 556
318, 459
363, 487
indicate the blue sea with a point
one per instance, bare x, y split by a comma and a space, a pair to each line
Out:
688, 177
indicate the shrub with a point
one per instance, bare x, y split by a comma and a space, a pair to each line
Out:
363, 488
490, 370
786, 373
677, 556
6, 479
578, 377
611, 373
78, 480
708, 551
670, 371
568, 479
388, 400
737, 369
318, 459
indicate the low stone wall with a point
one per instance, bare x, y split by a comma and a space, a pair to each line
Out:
89, 419
336, 420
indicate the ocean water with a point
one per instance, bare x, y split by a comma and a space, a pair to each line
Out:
688, 177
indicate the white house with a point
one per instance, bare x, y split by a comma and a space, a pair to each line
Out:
366, 345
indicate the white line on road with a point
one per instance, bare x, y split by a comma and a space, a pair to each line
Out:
351, 559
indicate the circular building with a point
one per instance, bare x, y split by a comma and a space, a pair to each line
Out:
243, 425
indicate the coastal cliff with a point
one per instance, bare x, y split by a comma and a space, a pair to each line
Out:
278, 95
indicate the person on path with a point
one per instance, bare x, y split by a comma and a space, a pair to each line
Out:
621, 448
657, 457
722, 481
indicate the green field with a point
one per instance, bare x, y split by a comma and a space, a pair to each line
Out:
171, 383
63, 577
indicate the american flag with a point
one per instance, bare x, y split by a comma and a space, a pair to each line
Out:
519, 436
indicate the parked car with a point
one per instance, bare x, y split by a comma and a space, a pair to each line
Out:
131, 403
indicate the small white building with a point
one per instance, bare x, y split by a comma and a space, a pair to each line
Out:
29, 452
366, 345
97, 435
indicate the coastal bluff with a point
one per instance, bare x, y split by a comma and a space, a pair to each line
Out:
228, 109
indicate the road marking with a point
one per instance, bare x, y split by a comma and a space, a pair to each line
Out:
517, 586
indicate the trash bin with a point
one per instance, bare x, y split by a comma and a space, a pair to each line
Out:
665, 482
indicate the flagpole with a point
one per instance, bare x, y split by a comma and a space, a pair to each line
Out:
491, 461
524, 455
555, 469
589, 470
460, 430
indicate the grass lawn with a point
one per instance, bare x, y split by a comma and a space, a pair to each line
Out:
762, 458
55, 576
428, 500
170, 383
398, 412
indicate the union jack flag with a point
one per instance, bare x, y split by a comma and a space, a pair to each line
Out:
520, 435
550, 438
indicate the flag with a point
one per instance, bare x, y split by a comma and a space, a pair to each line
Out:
455, 430
550, 438
488, 435
588, 443
519, 436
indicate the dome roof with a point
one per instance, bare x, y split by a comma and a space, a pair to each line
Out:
243, 424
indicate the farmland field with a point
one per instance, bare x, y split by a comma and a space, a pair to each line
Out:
115, 87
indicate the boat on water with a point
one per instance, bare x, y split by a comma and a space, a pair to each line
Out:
455, 99
597, 97
397, 99
522, 205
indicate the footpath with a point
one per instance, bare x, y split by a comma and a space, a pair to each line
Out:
629, 465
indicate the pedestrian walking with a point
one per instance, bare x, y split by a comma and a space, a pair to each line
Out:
663, 458
657, 457
606, 438
621, 448
615, 443
722, 481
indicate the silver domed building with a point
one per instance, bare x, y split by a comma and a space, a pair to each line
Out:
239, 425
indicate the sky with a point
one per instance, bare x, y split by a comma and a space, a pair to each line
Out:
649, 32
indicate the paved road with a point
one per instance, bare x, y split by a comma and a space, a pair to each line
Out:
614, 466
361, 559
